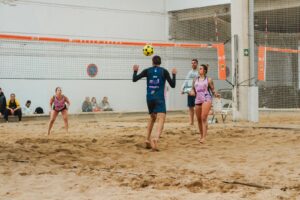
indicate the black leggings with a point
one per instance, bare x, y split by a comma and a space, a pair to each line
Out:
17, 112
3, 112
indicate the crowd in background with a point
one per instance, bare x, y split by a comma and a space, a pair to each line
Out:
91, 105
13, 107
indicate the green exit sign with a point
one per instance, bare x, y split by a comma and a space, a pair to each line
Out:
246, 52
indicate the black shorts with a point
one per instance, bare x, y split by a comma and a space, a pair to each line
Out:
64, 108
191, 101
156, 106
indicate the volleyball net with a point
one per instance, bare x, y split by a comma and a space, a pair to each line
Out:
28, 57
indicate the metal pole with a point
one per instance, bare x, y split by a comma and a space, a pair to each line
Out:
253, 92
251, 44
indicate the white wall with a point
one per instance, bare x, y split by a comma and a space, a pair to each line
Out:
130, 20
110, 19
173, 5
135, 20
120, 97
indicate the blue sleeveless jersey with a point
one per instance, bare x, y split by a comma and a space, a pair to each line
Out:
155, 84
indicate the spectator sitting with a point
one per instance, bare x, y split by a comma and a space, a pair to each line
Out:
2, 103
26, 110
105, 106
13, 107
87, 105
95, 106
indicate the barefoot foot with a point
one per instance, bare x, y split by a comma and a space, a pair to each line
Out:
154, 144
148, 144
202, 140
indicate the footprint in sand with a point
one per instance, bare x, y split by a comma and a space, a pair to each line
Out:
140, 146
83, 188
92, 122
170, 133
280, 163
23, 174
129, 136
55, 161
225, 188
195, 186
125, 141
66, 151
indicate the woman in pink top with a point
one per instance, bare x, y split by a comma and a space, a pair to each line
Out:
59, 103
203, 89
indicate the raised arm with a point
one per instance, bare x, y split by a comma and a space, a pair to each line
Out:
136, 76
172, 82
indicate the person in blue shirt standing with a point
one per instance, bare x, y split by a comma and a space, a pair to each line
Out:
156, 79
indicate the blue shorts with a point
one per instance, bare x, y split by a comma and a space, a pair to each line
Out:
156, 106
191, 101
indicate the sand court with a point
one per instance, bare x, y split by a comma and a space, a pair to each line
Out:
104, 157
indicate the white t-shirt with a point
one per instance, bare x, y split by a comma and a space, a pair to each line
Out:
27, 111
188, 82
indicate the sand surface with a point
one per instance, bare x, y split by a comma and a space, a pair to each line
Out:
105, 158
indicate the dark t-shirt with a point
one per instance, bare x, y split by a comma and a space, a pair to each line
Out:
156, 79
2, 102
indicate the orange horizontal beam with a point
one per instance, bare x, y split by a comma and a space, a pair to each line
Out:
104, 42
47, 39
282, 50
15, 37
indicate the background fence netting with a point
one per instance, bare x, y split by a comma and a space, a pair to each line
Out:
277, 28
277, 33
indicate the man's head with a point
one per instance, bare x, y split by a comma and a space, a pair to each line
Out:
28, 103
156, 60
194, 63
105, 99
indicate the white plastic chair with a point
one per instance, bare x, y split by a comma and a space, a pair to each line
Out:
221, 107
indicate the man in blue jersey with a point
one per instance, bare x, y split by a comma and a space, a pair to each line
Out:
156, 79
